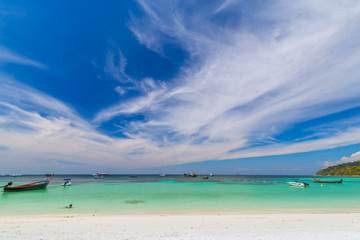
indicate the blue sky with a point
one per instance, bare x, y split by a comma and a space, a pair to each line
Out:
250, 87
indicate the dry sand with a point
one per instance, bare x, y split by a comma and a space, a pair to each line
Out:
186, 226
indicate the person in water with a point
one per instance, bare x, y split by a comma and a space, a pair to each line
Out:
70, 206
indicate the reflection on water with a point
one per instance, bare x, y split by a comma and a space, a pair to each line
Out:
27, 194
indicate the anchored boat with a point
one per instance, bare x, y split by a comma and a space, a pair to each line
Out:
190, 175
326, 181
67, 182
162, 174
31, 186
100, 175
298, 184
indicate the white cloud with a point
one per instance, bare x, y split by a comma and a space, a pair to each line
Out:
249, 84
356, 155
7, 56
115, 66
55, 130
17, 94
327, 164
59, 131
129, 107
353, 158
121, 91
288, 63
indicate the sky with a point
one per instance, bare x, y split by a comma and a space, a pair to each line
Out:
230, 86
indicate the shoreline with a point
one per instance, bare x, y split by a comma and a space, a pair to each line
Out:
185, 213
184, 226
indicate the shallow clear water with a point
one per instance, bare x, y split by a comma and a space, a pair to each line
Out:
177, 194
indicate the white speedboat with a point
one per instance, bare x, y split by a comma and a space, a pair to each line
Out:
66, 182
298, 184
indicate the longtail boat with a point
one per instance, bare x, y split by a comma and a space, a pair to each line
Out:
326, 181
31, 186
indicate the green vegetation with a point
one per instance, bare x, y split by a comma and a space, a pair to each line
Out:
345, 169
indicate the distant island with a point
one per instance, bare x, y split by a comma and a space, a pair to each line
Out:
345, 169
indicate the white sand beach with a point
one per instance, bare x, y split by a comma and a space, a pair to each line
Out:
184, 226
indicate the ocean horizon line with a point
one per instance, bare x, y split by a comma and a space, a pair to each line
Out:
155, 174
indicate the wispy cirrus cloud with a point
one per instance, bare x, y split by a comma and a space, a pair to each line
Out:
43, 134
115, 66
14, 94
251, 79
131, 107
254, 71
37, 126
8, 56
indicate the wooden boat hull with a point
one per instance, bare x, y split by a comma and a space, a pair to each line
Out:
26, 187
326, 181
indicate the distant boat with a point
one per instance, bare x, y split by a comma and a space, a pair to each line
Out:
66, 182
133, 176
298, 184
205, 177
162, 174
98, 176
31, 186
101, 174
190, 175
326, 181
211, 175
15, 175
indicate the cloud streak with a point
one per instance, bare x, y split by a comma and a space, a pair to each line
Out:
249, 84
36, 126
7, 56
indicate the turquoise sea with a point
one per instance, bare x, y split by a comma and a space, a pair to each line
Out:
120, 194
